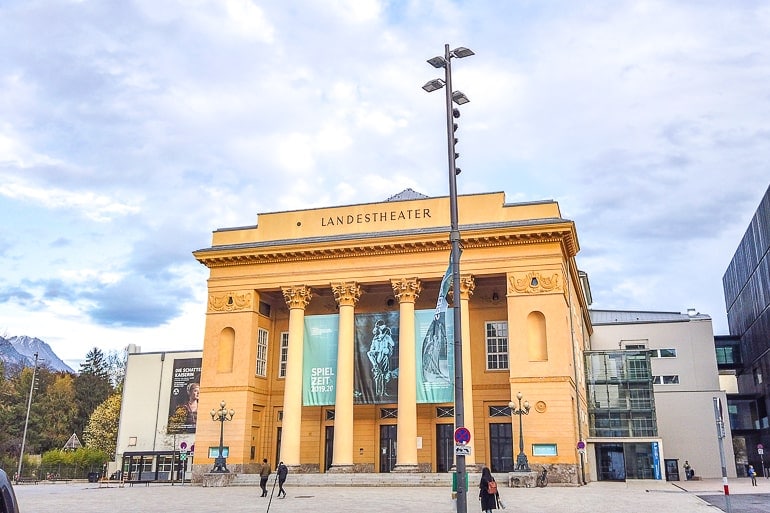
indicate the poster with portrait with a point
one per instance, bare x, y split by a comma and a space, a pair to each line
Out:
375, 377
434, 356
185, 389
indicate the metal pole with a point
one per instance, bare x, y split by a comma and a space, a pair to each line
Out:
720, 437
454, 239
26, 421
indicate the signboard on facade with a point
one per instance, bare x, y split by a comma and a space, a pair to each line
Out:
183, 403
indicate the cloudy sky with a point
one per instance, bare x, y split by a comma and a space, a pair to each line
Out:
130, 130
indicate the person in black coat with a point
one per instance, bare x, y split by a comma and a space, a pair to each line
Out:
283, 471
488, 500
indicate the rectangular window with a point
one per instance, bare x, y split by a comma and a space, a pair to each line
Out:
497, 345
499, 411
666, 380
284, 354
445, 412
663, 353
544, 450
262, 353
388, 413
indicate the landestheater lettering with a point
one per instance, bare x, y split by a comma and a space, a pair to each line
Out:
376, 217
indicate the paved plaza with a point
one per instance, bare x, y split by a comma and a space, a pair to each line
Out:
631, 497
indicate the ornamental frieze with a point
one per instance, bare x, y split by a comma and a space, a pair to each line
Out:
534, 282
230, 302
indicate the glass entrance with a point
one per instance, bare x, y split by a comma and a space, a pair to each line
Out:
672, 470
444, 447
387, 447
501, 447
612, 463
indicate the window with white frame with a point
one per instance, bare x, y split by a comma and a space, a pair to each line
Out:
284, 354
497, 345
262, 352
666, 380
663, 353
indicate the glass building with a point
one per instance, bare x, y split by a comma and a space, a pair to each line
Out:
747, 297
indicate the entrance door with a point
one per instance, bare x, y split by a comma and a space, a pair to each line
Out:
328, 447
444, 447
672, 470
612, 463
501, 447
387, 447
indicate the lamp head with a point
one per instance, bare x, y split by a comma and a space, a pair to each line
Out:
222, 405
437, 62
461, 52
459, 98
519, 396
433, 85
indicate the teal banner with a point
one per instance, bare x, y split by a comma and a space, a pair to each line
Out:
319, 360
434, 356
375, 360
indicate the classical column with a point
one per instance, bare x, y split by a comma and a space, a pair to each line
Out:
406, 290
297, 298
346, 294
467, 284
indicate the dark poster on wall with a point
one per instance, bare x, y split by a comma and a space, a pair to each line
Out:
185, 388
376, 358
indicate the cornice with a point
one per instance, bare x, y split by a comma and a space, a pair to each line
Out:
372, 245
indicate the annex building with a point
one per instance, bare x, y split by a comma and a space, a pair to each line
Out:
319, 336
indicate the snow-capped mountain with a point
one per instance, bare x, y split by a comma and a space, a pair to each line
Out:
21, 351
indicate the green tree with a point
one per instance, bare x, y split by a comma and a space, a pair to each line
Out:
59, 411
92, 386
101, 432
116, 363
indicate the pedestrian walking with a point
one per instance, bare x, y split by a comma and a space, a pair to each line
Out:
753, 475
282, 471
488, 494
264, 474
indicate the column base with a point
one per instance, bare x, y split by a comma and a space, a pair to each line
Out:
341, 469
406, 468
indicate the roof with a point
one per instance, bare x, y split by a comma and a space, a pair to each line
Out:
604, 317
407, 194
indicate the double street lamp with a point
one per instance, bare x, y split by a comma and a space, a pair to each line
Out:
221, 415
522, 465
454, 237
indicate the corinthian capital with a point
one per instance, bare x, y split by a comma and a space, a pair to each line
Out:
297, 296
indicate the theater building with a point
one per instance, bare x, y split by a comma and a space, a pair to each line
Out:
319, 335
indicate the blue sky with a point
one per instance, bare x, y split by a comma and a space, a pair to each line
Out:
130, 130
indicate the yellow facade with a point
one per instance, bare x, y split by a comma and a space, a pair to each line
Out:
517, 266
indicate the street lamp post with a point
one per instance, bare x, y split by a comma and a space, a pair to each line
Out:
32, 387
522, 465
221, 415
454, 237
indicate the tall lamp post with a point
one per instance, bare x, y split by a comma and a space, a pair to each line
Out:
32, 387
221, 415
522, 465
454, 237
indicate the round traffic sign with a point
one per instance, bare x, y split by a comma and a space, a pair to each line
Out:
183, 445
581, 445
462, 435
760, 446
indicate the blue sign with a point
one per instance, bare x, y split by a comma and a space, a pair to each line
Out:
462, 435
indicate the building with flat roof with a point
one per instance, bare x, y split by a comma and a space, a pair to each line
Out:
320, 335
652, 382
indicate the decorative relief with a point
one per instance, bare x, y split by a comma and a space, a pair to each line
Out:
406, 289
346, 293
540, 407
297, 296
230, 302
534, 282
467, 286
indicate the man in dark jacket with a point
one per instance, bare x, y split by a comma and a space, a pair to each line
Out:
282, 473
264, 473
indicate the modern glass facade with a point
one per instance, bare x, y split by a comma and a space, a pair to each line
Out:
746, 285
620, 394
